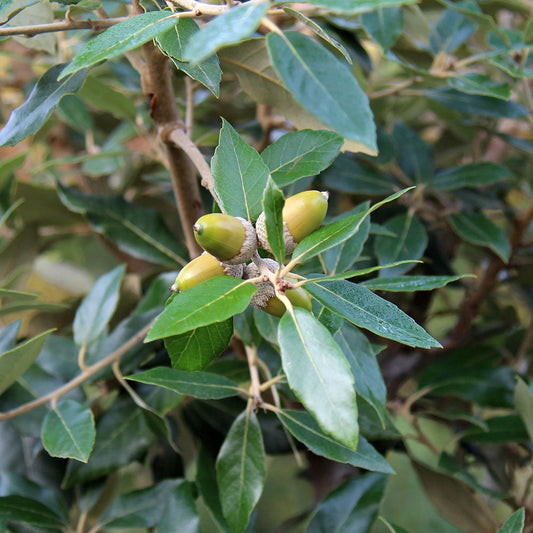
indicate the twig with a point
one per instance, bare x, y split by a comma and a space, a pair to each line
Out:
64, 25
189, 109
81, 378
255, 385
200, 8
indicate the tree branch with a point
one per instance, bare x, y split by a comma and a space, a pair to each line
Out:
64, 25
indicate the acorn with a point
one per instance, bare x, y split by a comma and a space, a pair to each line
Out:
230, 239
302, 214
202, 268
265, 297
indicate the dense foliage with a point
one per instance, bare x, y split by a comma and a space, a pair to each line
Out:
402, 402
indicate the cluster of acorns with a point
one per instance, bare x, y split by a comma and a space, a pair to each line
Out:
231, 242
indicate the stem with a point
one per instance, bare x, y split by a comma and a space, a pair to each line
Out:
255, 385
81, 378
199, 8
64, 25
81, 357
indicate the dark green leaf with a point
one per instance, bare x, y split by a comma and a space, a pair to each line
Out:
319, 374
481, 84
348, 176
138, 231
33, 113
365, 368
450, 32
179, 513
14, 362
299, 154
500, 429
28, 511
122, 435
68, 431
8, 336
273, 202
204, 385
476, 228
173, 43
474, 104
515, 523
523, 400
352, 7
367, 310
120, 38
415, 157
239, 174
393, 528
353, 506
101, 95
384, 25
195, 349
411, 283
97, 308
241, 471
228, 28
214, 300
304, 427
471, 175
409, 244
313, 74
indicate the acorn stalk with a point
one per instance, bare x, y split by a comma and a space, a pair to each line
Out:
229, 239
201, 269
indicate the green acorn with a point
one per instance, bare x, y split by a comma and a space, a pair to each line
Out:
265, 297
230, 239
202, 268
302, 214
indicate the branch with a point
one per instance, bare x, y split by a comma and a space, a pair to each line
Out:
64, 25
81, 378
200, 8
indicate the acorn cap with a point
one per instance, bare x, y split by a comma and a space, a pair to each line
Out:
302, 214
202, 268
230, 239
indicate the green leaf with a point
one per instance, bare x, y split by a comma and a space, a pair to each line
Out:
204, 385
367, 310
103, 96
353, 506
273, 202
120, 38
240, 175
474, 104
214, 300
304, 427
474, 83
409, 244
68, 431
122, 435
313, 74
500, 429
28, 511
97, 308
173, 43
476, 228
365, 368
180, 511
393, 528
17, 296
411, 283
319, 374
45, 96
471, 175
241, 471
14, 362
515, 523
230, 27
138, 231
206, 482
353, 7
384, 25
450, 32
334, 234
195, 349
8, 336
301, 153
349, 176
523, 400
415, 157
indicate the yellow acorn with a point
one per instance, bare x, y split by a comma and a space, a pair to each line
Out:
202, 268
302, 214
265, 297
230, 239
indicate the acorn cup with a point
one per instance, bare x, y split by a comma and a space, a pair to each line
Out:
202, 268
229, 239
302, 214
265, 297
